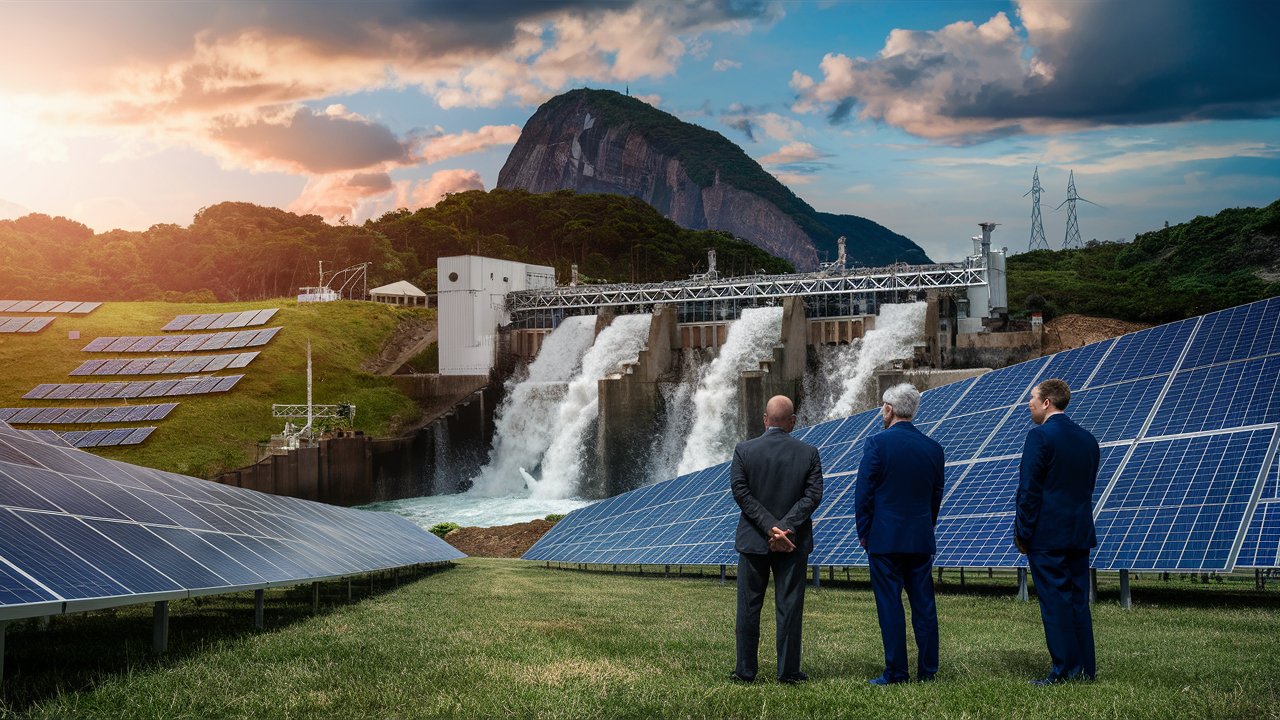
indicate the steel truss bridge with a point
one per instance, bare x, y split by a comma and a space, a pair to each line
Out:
755, 287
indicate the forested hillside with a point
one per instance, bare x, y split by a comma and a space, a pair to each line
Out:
1190, 269
240, 251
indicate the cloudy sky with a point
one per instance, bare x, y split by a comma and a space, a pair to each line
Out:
925, 116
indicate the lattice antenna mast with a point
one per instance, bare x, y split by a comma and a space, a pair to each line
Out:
1037, 227
1072, 239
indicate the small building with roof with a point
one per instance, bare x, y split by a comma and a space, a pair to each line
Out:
401, 292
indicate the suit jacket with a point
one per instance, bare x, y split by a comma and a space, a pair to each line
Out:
1055, 487
777, 482
899, 491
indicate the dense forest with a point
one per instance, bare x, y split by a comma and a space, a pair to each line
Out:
241, 251
1190, 269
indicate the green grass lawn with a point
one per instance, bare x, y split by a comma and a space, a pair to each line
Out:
504, 638
207, 434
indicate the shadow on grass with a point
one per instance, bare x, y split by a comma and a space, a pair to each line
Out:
1237, 592
79, 652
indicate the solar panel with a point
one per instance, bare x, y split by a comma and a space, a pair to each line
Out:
65, 307
79, 532
1187, 414
22, 306
36, 325
85, 308
142, 388
184, 343
179, 323
6, 304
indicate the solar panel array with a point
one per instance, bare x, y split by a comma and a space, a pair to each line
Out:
23, 324
80, 532
1187, 415
85, 415
218, 321
74, 307
106, 438
199, 385
183, 343
165, 365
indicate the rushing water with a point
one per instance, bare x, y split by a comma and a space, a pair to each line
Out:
522, 427
845, 381
751, 339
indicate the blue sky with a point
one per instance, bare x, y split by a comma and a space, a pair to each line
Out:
927, 117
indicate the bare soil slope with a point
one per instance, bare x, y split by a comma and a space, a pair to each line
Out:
1071, 331
504, 541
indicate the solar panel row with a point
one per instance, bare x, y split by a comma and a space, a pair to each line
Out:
86, 415
79, 532
1188, 415
217, 321
23, 325
142, 388
48, 306
183, 343
107, 438
165, 365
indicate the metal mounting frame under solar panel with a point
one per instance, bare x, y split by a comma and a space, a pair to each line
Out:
79, 532
1187, 415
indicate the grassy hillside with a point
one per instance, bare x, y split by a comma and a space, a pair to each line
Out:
206, 434
508, 639
1207, 264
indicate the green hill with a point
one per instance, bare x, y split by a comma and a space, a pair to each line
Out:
1207, 264
239, 251
206, 434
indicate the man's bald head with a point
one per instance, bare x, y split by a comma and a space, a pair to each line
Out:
780, 412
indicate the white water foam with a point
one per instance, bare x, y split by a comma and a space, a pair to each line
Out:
523, 427
470, 510
750, 340
677, 420
619, 343
845, 381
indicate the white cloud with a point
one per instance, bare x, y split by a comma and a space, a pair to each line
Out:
439, 148
724, 64
792, 179
796, 152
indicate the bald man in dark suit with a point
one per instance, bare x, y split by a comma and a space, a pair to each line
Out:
777, 482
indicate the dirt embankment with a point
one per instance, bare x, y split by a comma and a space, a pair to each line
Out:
504, 541
1071, 331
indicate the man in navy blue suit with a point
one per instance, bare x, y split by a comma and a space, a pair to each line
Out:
777, 482
897, 499
1054, 528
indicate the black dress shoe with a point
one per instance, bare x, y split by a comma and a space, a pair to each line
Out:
795, 679
735, 677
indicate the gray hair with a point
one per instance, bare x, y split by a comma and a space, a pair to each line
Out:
904, 398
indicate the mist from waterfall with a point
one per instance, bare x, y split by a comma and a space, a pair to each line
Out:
751, 339
845, 380
524, 424
619, 343
677, 418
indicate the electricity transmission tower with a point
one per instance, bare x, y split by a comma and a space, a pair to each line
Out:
1072, 239
1037, 228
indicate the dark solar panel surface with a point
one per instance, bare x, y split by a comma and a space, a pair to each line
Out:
139, 389
78, 531
1188, 415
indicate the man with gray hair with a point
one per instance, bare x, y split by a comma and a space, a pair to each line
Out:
897, 499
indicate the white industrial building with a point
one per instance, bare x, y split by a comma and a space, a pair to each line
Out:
401, 292
472, 291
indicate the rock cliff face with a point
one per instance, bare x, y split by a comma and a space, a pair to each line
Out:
601, 141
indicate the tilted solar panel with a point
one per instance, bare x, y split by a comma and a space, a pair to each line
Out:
80, 532
1188, 416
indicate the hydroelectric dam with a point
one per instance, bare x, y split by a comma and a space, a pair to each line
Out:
598, 389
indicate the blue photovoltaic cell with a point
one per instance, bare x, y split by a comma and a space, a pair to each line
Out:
1261, 546
1221, 396
977, 541
16, 589
1075, 366
988, 487
96, 550
1247, 331
1000, 388
961, 437
935, 403
50, 564
1146, 352
1169, 502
